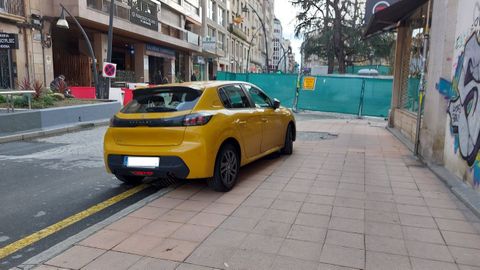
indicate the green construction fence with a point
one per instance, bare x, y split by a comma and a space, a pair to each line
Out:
369, 96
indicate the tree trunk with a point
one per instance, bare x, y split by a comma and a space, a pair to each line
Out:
337, 38
330, 48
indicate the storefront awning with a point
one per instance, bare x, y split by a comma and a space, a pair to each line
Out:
388, 18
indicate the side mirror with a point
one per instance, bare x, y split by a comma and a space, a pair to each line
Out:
276, 103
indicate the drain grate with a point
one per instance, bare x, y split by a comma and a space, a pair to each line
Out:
315, 136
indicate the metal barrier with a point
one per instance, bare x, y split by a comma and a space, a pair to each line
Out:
358, 95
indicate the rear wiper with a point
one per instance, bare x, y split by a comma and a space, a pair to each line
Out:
160, 109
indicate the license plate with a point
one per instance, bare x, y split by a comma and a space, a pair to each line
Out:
142, 162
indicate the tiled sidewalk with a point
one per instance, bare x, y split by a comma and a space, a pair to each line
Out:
355, 202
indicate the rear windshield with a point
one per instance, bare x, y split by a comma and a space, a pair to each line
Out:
162, 100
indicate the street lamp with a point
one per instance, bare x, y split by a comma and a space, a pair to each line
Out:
62, 23
284, 56
250, 47
246, 9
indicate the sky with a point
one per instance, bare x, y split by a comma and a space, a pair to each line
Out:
285, 12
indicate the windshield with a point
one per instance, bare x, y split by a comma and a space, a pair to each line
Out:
162, 100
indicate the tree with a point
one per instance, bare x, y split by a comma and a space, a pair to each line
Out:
333, 31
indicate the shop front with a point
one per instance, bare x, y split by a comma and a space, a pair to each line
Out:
8, 43
161, 64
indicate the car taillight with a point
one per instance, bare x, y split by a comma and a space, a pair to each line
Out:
197, 119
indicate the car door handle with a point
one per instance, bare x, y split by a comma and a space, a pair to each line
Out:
240, 122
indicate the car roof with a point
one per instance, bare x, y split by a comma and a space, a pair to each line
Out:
199, 85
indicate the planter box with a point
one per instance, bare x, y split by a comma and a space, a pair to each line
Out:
61, 116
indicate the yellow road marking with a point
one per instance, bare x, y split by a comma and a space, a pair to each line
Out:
37, 236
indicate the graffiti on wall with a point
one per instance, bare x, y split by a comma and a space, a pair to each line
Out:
464, 109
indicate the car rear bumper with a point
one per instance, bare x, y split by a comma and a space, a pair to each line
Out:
169, 166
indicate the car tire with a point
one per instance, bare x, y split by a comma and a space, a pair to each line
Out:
227, 166
288, 146
130, 179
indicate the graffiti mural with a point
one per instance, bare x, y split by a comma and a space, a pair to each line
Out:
464, 108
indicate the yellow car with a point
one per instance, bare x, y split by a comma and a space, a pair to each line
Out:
196, 130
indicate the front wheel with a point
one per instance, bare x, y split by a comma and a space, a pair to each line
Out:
130, 179
288, 146
227, 166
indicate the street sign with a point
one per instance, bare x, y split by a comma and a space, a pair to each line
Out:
8, 41
309, 83
109, 70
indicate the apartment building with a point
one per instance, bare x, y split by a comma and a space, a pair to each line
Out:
25, 50
152, 40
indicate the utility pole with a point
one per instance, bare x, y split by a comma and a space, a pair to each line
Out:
109, 48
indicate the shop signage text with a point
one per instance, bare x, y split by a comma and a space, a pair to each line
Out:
8, 41
144, 13
161, 50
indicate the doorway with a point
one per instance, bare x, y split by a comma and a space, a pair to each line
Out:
6, 74
155, 69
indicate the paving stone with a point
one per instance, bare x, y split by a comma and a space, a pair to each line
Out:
343, 256
312, 220
113, 260
422, 264
301, 250
76, 257
423, 235
382, 261
466, 256
347, 225
173, 250
153, 264
262, 243
385, 244
428, 251
305, 233
227, 238
105, 239
345, 239
289, 263
211, 256
138, 244
272, 228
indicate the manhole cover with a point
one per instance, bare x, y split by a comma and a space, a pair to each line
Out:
315, 136
23, 148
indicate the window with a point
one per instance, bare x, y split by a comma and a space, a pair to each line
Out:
210, 9
259, 98
221, 16
221, 40
163, 100
2, 4
211, 33
233, 97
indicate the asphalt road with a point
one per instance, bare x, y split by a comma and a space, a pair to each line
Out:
47, 180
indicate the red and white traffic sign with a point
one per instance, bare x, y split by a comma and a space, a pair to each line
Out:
109, 70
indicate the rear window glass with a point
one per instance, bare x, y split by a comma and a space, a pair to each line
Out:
163, 100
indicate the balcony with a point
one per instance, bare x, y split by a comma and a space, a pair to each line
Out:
121, 10
234, 29
213, 47
15, 7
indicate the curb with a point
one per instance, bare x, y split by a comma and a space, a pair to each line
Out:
53, 131
60, 247
462, 191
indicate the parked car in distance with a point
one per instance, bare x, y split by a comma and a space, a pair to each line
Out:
196, 130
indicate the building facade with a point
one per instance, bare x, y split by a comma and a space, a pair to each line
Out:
25, 48
449, 132
153, 41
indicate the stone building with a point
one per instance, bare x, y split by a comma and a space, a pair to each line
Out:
450, 120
